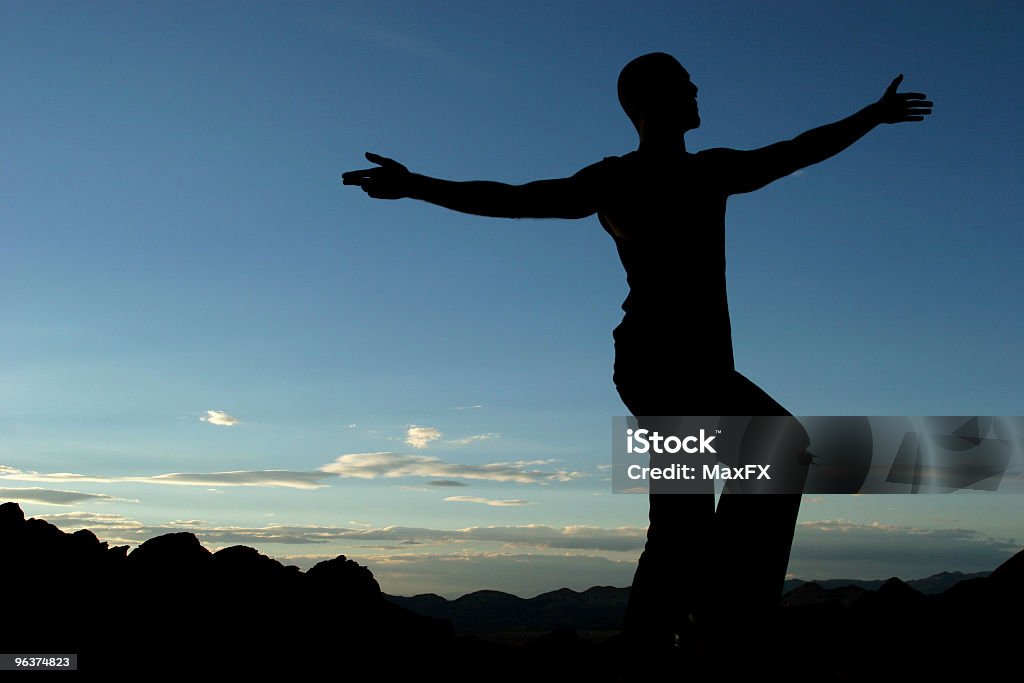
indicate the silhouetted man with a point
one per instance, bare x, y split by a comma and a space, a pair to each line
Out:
665, 209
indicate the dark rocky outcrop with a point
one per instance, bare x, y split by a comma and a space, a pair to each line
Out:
172, 605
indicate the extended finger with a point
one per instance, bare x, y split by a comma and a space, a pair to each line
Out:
363, 173
378, 159
895, 84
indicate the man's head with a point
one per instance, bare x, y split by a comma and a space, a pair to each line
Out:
655, 91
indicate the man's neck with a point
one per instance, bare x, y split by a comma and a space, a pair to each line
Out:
662, 145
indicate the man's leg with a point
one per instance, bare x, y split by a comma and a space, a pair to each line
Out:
672, 576
754, 531
755, 536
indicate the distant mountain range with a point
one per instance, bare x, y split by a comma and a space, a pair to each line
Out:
171, 607
932, 585
601, 608
596, 609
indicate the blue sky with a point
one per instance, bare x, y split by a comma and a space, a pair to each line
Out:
176, 240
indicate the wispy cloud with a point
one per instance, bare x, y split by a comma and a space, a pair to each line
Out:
416, 44
122, 529
420, 437
357, 465
281, 478
466, 407
487, 501
844, 549
573, 537
105, 524
373, 465
34, 494
220, 418
471, 439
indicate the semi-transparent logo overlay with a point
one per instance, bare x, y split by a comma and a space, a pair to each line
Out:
756, 454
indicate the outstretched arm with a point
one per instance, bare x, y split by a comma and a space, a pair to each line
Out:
572, 197
748, 171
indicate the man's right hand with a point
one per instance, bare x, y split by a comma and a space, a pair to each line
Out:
899, 107
390, 180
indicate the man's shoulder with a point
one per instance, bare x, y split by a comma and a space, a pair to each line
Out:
604, 170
